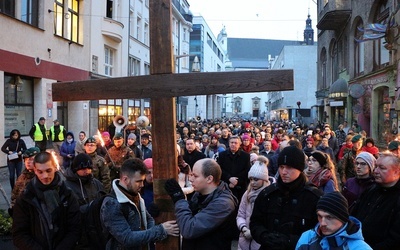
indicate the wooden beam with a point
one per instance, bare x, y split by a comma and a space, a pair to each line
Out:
172, 85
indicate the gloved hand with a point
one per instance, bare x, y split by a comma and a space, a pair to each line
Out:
174, 190
153, 209
246, 233
276, 241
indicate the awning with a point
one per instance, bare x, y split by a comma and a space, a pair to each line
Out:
338, 89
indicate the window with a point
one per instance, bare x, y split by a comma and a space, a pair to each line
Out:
73, 22
18, 102
108, 109
323, 59
66, 19
30, 12
146, 69
134, 66
381, 54
359, 50
138, 28
109, 9
146, 34
132, 22
133, 109
184, 34
108, 61
7, 7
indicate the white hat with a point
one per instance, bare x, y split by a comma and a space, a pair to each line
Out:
259, 170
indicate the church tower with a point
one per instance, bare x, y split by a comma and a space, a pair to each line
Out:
308, 32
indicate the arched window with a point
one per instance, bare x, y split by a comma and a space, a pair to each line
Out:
333, 52
323, 59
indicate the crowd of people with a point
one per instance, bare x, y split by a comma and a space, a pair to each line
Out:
255, 185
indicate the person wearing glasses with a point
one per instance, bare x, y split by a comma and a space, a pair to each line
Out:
46, 215
321, 172
378, 208
364, 166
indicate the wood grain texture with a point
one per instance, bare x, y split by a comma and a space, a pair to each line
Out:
172, 85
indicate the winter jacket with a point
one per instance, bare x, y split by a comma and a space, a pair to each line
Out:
134, 232
379, 211
101, 171
115, 158
68, 149
192, 157
348, 237
354, 187
31, 229
286, 210
235, 165
208, 222
243, 218
23, 180
86, 189
328, 151
11, 145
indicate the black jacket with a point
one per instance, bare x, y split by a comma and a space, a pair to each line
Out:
235, 165
286, 210
379, 211
30, 228
191, 158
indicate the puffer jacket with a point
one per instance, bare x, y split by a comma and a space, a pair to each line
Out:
348, 237
127, 233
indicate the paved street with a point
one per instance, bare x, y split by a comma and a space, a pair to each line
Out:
5, 183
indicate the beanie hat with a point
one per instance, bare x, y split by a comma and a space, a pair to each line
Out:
356, 138
259, 170
214, 136
292, 156
368, 158
321, 157
81, 161
245, 137
393, 145
253, 157
247, 125
132, 136
310, 139
31, 152
149, 163
335, 204
105, 133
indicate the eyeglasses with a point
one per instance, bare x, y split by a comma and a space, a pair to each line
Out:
360, 163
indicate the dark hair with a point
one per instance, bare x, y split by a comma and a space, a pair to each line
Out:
211, 167
15, 131
83, 132
44, 157
131, 166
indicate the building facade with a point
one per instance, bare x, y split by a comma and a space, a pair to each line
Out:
357, 65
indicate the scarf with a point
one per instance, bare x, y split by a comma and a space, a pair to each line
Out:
293, 186
320, 178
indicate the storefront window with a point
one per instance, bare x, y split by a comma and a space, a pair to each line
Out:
385, 121
18, 102
133, 110
108, 109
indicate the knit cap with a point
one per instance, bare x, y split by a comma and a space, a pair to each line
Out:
292, 156
310, 139
369, 159
259, 170
105, 133
320, 157
253, 157
81, 161
245, 137
335, 204
132, 136
149, 163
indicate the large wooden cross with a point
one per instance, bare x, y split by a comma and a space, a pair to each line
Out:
162, 86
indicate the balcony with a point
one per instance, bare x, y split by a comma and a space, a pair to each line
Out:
112, 29
334, 15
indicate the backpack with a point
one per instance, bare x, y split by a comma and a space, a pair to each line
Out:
98, 237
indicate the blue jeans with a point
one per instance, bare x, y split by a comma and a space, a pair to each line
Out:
14, 167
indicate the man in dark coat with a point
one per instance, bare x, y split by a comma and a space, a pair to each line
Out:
191, 154
235, 165
46, 215
285, 209
379, 207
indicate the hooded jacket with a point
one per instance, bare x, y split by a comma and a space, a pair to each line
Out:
68, 149
348, 237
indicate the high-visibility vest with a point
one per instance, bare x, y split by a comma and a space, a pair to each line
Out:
38, 135
60, 135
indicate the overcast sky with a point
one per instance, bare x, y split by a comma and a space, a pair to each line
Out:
266, 19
